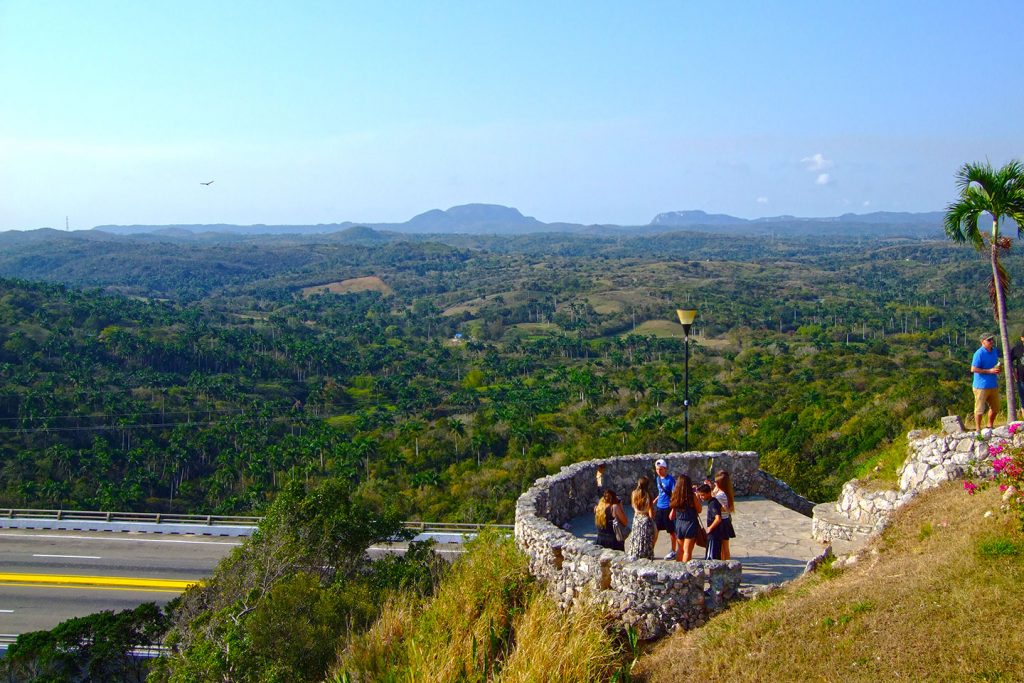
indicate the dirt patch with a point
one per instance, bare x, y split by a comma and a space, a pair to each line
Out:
356, 284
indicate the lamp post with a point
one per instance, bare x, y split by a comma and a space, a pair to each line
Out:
686, 316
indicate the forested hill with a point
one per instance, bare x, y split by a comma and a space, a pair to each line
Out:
202, 376
186, 266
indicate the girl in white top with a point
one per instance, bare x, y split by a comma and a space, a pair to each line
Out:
723, 493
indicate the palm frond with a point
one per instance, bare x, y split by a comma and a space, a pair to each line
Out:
971, 173
984, 189
961, 222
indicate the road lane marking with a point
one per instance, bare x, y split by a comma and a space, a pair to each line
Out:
123, 540
76, 580
73, 557
91, 588
7, 611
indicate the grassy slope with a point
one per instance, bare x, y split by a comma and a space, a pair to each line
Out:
937, 598
488, 621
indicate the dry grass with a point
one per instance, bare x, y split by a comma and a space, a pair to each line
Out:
531, 330
658, 328
357, 284
554, 646
376, 651
669, 328
489, 621
927, 603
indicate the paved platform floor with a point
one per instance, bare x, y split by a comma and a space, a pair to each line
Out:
773, 542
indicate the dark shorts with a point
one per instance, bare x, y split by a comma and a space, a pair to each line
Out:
727, 530
686, 528
662, 521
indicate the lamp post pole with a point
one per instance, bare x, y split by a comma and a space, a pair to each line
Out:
686, 317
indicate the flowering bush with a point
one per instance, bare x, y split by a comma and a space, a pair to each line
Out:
1007, 462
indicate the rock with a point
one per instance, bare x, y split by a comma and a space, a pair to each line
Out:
951, 424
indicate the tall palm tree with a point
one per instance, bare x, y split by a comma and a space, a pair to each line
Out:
1000, 194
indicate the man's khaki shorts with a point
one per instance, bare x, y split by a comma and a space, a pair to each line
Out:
983, 397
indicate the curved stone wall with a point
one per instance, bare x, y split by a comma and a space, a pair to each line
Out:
654, 597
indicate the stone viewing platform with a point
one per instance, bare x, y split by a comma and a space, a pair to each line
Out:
773, 543
776, 536
656, 596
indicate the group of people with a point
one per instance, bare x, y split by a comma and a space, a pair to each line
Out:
674, 509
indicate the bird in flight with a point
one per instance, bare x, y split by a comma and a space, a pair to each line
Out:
209, 183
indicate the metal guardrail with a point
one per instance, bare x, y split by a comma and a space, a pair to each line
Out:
148, 517
427, 529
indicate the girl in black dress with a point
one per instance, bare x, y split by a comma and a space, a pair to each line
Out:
685, 508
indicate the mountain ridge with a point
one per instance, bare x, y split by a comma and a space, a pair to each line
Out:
496, 219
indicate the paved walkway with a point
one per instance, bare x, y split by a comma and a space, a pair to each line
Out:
773, 542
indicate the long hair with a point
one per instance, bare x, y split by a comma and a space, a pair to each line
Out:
641, 497
608, 498
724, 483
682, 494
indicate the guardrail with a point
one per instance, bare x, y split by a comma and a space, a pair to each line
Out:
222, 525
148, 517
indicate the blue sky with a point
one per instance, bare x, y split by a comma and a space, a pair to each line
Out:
593, 112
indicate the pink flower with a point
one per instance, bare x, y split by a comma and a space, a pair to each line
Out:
1000, 464
1014, 428
1003, 487
996, 448
970, 487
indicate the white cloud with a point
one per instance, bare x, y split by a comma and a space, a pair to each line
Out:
823, 179
762, 200
867, 203
818, 162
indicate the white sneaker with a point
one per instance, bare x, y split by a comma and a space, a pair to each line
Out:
671, 555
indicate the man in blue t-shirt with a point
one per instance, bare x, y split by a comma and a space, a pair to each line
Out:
665, 483
985, 366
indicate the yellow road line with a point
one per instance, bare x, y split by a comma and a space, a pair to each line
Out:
91, 588
108, 581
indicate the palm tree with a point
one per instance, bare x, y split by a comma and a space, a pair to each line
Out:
1000, 194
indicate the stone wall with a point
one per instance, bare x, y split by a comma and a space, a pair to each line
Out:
654, 597
931, 460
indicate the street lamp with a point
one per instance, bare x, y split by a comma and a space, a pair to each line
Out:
686, 316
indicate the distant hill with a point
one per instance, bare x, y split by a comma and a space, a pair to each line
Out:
223, 228
494, 219
702, 219
473, 218
692, 218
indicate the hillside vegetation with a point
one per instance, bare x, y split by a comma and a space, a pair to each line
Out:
196, 376
936, 598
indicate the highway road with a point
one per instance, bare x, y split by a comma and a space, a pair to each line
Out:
40, 572
47, 577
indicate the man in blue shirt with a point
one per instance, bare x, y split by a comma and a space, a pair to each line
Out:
665, 483
985, 366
